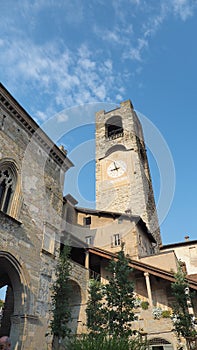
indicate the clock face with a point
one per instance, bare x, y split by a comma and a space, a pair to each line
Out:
116, 168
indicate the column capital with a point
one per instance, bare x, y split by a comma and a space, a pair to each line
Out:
146, 274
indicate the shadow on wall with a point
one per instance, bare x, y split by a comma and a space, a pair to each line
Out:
75, 302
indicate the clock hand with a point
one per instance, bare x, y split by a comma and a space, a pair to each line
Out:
115, 167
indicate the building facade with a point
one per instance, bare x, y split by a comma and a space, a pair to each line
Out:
36, 220
31, 202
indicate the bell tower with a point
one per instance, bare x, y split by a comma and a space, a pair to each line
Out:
123, 182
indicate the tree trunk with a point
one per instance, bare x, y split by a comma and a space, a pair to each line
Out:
191, 343
55, 343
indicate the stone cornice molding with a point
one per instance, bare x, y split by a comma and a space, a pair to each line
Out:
18, 113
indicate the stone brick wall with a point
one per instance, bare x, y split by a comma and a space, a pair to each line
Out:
27, 267
80, 276
135, 192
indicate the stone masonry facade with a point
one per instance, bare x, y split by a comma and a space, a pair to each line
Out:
30, 228
134, 190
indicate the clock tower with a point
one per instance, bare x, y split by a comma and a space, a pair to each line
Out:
123, 182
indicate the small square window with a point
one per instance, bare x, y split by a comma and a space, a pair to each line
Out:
87, 221
88, 239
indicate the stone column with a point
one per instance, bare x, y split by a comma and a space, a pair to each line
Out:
148, 286
87, 259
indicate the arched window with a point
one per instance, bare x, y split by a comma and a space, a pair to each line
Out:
113, 127
159, 344
8, 181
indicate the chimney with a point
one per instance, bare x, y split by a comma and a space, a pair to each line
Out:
128, 212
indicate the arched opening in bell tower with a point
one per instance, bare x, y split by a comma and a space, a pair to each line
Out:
113, 127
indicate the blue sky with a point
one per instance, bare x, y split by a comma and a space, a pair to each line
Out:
57, 55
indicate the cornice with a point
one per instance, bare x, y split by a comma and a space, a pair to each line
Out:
18, 113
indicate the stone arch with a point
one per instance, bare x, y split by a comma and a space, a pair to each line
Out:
14, 198
158, 343
113, 127
115, 148
76, 303
17, 297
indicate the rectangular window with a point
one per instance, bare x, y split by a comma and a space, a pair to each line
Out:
88, 239
116, 240
87, 221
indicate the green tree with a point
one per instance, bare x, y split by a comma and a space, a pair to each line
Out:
183, 321
1, 303
95, 311
61, 291
119, 296
110, 306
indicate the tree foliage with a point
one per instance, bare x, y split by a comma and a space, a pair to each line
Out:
119, 296
110, 306
61, 291
182, 319
88, 342
95, 311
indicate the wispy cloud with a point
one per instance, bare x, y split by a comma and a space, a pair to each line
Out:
73, 11
120, 35
184, 8
72, 77
84, 64
132, 37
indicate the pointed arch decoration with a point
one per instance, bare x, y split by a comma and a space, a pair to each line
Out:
10, 188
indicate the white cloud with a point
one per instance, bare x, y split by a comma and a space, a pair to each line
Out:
108, 64
141, 19
64, 74
184, 8
41, 116
73, 11
119, 97
135, 53
120, 34
62, 117
123, 8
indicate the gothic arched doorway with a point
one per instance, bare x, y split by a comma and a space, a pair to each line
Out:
16, 296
